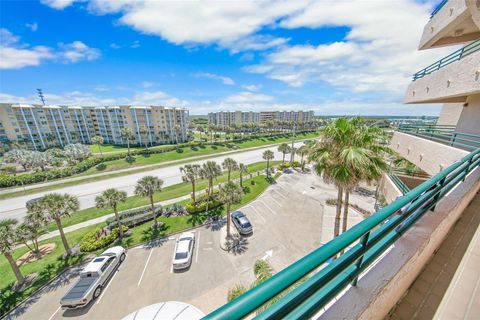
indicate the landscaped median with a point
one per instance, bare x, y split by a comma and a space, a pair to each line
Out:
50, 265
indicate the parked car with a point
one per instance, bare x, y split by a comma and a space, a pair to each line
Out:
184, 251
242, 223
93, 278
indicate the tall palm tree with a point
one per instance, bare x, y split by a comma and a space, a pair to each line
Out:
98, 140
243, 169
56, 206
302, 152
8, 241
230, 193
127, 134
210, 171
31, 228
268, 155
284, 149
146, 187
191, 172
112, 198
229, 165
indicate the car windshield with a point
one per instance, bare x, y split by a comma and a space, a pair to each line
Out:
181, 255
244, 222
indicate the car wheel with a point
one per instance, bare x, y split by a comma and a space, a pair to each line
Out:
122, 257
97, 292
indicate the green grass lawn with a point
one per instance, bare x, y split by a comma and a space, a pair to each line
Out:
52, 264
276, 139
105, 149
170, 192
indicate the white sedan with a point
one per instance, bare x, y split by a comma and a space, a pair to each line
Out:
184, 251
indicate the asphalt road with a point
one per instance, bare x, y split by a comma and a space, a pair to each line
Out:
86, 193
288, 220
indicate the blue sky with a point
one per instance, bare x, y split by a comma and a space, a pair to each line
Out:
333, 57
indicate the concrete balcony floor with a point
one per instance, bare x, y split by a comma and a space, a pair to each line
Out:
449, 286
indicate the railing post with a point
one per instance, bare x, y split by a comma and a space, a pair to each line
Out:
461, 53
358, 264
440, 183
467, 169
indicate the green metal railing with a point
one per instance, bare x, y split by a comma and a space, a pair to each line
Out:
455, 56
367, 241
449, 137
438, 8
399, 183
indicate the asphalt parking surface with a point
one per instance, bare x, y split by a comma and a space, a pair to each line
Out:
287, 220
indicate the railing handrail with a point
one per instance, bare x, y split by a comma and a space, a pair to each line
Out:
452, 138
437, 8
454, 56
377, 233
398, 182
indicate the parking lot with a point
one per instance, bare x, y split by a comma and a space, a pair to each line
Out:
289, 221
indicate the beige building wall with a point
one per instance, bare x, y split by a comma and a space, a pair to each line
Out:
469, 120
450, 114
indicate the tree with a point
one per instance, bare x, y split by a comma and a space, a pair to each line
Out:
8, 240
230, 193
229, 165
268, 155
302, 152
18, 156
210, 171
243, 169
191, 172
284, 149
127, 134
76, 152
146, 187
56, 206
112, 198
32, 227
39, 159
98, 140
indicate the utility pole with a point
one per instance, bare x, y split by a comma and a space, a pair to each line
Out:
292, 156
40, 95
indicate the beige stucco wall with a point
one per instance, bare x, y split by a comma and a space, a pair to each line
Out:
469, 120
450, 114
388, 189
454, 16
384, 285
452, 83
430, 156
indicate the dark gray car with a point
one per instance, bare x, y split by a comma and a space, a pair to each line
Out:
242, 223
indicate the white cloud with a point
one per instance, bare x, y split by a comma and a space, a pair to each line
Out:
32, 26
252, 87
135, 44
58, 4
15, 55
147, 84
114, 46
226, 80
247, 98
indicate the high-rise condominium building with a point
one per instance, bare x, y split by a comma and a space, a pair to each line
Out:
228, 118
41, 127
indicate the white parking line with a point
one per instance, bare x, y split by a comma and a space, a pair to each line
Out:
279, 193
173, 258
258, 213
271, 210
108, 285
53, 315
198, 247
145, 268
278, 203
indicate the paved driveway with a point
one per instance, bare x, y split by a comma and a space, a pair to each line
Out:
288, 222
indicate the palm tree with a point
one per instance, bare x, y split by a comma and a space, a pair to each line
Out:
112, 198
268, 155
146, 187
8, 240
57, 206
230, 165
210, 171
303, 151
31, 228
191, 172
243, 169
284, 149
98, 140
127, 134
230, 193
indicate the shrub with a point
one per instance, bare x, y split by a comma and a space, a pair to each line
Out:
91, 241
134, 216
101, 167
201, 207
296, 164
179, 150
331, 202
130, 159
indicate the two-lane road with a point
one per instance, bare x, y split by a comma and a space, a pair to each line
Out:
86, 193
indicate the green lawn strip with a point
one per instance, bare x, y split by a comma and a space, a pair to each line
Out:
47, 267
106, 149
170, 192
52, 264
276, 139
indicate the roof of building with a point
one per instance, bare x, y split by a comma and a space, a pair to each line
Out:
166, 311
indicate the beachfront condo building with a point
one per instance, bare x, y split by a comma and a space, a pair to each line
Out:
43, 126
228, 118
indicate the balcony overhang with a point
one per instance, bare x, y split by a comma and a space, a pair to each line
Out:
457, 22
450, 84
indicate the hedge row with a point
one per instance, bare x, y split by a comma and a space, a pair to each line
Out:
90, 242
134, 216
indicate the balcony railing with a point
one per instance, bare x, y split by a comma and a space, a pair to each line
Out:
444, 135
455, 56
438, 8
399, 183
318, 282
